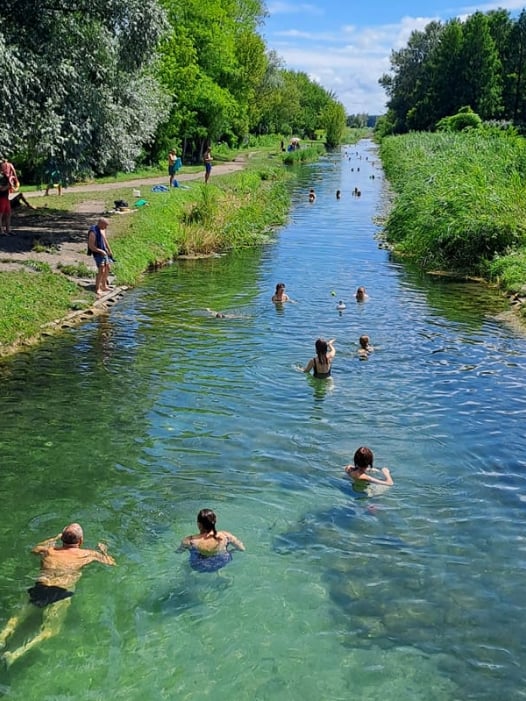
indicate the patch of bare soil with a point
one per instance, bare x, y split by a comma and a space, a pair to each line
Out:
46, 236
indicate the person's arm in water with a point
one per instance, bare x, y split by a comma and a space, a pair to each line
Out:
102, 555
45, 545
309, 365
232, 540
331, 351
388, 482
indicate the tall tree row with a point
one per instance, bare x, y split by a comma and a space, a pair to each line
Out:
479, 62
96, 86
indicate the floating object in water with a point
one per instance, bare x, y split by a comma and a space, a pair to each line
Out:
333, 293
340, 305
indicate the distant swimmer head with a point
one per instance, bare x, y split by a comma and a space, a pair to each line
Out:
220, 316
340, 305
361, 294
364, 342
338, 194
72, 534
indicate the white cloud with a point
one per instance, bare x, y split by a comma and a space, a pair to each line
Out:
348, 62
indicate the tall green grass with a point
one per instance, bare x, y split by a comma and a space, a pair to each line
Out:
459, 197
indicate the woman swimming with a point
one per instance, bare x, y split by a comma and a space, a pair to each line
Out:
321, 364
209, 548
279, 295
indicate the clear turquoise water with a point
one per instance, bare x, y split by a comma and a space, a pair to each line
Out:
134, 422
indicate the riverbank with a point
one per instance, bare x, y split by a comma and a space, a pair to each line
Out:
460, 205
46, 279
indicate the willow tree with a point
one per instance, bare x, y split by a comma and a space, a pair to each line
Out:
80, 91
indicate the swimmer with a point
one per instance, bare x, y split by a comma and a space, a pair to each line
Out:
322, 363
365, 347
279, 295
359, 472
221, 315
361, 294
338, 194
312, 195
60, 570
209, 548
341, 305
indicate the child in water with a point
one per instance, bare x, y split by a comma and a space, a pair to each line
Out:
280, 295
312, 195
359, 472
365, 347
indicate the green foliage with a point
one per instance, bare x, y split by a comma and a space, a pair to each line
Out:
478, 61
334, 120
80, 270
509, 271
464, 119
38, 265
305, 154
87, 106
459, 197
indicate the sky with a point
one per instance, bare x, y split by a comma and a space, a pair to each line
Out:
345, 45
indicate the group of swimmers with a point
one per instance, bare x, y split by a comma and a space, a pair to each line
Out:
321, 365
61, 565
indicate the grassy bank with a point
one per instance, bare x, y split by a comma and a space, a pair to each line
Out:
240, 209
460, 202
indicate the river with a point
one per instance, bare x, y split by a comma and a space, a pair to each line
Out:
135, 421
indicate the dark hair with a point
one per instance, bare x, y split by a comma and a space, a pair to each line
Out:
360, 292
280, 286
364, 341
207, 519
363, 458
321, 350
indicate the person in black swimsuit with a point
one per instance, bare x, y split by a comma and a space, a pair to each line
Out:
60, 569
321, 364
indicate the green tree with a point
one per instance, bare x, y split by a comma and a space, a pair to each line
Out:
89, 101
333, 119
407, 84
480, 75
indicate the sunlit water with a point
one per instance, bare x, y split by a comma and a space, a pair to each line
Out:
134, 422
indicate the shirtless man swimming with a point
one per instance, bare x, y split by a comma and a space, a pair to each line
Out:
60, 570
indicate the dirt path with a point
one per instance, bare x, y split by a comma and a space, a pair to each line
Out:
59, 238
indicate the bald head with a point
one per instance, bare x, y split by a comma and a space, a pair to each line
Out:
72, 534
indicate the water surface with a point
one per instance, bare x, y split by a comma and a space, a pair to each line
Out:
137, 420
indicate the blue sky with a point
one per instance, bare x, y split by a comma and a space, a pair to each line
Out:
345, 45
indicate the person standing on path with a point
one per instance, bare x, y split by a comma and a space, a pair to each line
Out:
208, 164
172, 160
99, 247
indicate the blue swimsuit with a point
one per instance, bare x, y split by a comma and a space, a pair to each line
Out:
212, 563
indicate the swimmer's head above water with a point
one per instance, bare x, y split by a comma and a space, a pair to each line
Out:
206, 521
72, 534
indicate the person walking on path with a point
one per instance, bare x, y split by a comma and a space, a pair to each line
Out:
60, 570
208, 164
